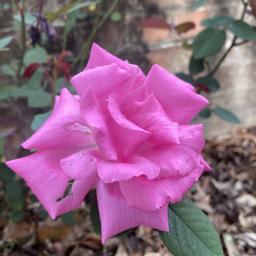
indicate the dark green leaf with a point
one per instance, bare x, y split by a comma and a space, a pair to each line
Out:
226, 115
242, 30
205, 113
2, 142
191, 233
197, 4
39, 120
185, 77
6, 174
35, 55
69, 218
196, 65
14, 191
208, 42
94, 216
5, 41
219, 21
209, 82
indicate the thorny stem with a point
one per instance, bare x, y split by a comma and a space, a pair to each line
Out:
80, 59
233, 43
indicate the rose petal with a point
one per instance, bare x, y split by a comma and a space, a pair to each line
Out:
102, 80
43, 174
192, 136
59, 126
149, 115
175, 160
101, 57
137, 190
136, 166
125, 134
116, 216
79, 165
177, 97
95, 117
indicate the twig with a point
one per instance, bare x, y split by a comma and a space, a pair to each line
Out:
84, 52
233, 44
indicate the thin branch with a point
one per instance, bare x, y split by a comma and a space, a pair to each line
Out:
85, 49
233, 44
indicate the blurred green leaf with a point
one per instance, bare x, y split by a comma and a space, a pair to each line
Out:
191, 232
15, 195
115, 16
226, 115
196, 65
7, 70
29, 18
7, 91
94, 216
2, 142
36, 55
208, 42
205, 113
39, 120
219, 21
6, 174
5, 41
61, 83
69, 218
198, 3
39, 99
242, 30
185, 77
209, 82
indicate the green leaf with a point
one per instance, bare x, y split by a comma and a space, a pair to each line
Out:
208, 42
69, 218
196, 65
242, 30
197, 4
29, 18
6, 174
210, 83
2, 143
205, 113
35, 55
7, 70
7, 91
226, 115
39, 99
5, 41
14, 191
116, 16
94, 216
219, 21
39, 120
185, 77
191, 233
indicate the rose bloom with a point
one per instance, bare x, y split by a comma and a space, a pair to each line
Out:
124, 134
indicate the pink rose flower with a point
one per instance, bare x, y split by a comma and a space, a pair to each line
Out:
126, 135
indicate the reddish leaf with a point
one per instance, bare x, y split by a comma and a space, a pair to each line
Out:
202, 87
185, 27
155, 22
30, 70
